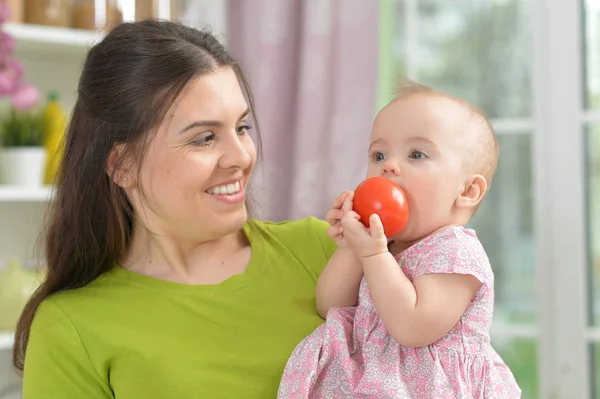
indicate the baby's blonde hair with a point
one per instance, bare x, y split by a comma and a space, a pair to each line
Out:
485, 146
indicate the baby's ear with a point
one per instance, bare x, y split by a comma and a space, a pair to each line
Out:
473, 192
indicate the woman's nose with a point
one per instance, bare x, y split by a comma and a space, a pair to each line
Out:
237, 153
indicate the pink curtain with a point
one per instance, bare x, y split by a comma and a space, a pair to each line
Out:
312, 65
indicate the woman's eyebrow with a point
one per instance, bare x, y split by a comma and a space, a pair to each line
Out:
211, 123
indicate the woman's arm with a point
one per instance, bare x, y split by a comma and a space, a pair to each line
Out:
57, 364
339, 282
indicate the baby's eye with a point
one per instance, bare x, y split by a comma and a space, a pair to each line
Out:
416, 154
378, 156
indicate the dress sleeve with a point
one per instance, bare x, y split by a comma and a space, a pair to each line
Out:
454, 251
57, 364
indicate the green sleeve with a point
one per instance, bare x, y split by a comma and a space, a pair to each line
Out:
57, 364
326, 244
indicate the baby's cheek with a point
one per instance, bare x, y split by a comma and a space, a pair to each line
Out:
372, 172
424, 200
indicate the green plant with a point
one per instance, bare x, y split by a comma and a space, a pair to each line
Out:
23, 129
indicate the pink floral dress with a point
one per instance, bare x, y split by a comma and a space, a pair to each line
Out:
352, 355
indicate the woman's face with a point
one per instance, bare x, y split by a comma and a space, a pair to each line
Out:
198, 165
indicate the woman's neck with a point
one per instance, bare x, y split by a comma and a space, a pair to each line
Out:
171, 258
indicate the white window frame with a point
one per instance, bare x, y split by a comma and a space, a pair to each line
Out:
196, 13
560, 190
558, 164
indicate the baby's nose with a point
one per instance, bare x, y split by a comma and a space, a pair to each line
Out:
391, 168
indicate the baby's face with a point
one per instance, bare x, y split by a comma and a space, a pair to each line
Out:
418, 143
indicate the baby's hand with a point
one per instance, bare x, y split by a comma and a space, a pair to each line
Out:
334, 218
362, 241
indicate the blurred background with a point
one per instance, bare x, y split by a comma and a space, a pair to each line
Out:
320, 70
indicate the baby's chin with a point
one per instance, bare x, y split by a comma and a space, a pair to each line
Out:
404, 240
412, 234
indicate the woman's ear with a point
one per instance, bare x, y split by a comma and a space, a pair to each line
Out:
118, 166
473, 192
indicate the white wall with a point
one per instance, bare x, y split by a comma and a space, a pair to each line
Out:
48, 68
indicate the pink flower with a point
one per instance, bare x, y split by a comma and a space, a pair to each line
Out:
10, 75
25, 98
7, 43
8, 83
15, 67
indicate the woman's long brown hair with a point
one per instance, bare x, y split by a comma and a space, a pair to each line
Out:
128, 82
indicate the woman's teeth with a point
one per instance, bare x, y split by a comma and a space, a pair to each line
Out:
225, 189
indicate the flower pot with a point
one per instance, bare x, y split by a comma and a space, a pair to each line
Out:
22, 166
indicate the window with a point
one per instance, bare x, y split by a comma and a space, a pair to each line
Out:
480, 51
534, 67
591, 119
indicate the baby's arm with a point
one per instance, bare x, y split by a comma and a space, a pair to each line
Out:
414, 315
339, 282
420, 314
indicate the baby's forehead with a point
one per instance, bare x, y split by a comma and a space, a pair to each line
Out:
424, 110
423, 115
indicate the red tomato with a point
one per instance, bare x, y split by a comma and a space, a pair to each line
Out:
384, 197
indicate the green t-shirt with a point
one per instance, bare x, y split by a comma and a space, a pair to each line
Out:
130, 336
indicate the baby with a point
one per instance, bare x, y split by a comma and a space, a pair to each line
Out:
409, 316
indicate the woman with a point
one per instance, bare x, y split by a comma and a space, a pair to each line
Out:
158, 285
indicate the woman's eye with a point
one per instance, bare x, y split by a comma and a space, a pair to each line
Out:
378, 156
417, 155
204, 139
243, 129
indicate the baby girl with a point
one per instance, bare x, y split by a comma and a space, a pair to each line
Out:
409, 316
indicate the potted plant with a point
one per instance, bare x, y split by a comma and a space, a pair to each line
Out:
22, 153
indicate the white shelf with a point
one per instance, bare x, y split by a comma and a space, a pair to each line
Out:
6, 341
25, 194
39, 34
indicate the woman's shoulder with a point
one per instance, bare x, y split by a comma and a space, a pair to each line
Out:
304, 239
60, 305
82, 302
58, 316
290, 228
299, 233
302, 233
